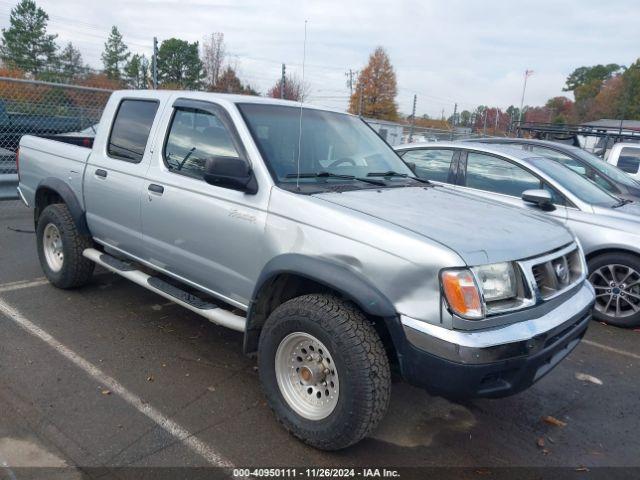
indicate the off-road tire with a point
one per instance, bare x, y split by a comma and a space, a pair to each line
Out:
360, 359
76, 270
628, 260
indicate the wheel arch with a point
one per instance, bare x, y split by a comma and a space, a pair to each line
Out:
53, 190
292, 275
608, 250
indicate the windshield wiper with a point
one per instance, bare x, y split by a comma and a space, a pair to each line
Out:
622, 203
334, 175
391, 173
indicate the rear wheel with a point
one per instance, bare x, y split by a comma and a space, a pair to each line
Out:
616, 279
60, 248
324, 371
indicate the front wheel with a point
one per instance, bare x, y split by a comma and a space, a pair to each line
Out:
616, 279
60, 248
324, 371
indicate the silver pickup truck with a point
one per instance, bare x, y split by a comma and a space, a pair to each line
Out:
301, 228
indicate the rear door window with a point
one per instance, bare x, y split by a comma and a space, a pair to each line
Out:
493, 174
629, 160
130, 129
432, 164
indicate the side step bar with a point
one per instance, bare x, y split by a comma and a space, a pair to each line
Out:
210, 311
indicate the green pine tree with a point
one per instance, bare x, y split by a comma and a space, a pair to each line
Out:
179, 65
70, 61
26, 44
137, 71
115, 55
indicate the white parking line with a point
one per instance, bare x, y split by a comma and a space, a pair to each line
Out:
174, 429
611, 349
9, 287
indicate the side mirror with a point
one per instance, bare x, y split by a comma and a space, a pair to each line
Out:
540, 198
230, 172
412, 166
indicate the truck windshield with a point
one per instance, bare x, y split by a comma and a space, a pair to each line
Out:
340, 148
584, 189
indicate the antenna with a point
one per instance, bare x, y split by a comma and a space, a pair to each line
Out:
304, 58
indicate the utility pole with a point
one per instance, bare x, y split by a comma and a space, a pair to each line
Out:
454, 122
154, 62
360, 100
283, 80
413, 118
350, 75
442, 116
527, 74
495, 127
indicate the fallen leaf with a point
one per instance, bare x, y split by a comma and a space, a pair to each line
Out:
582, 469
150, 378
545, 451
186, 374
106, 392
540, 442
588, 378
211, 389
483, 471
554, 421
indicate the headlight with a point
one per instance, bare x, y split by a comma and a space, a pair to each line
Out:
468, 290
497, 281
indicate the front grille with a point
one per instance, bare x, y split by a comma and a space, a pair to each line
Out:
557, 273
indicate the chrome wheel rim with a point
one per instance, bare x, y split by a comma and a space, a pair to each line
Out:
617, 290
52, 245
307, 376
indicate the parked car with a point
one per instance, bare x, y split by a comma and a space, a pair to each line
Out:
613, 179
608, 228
626, 156
301, 228
13, 125
8, 175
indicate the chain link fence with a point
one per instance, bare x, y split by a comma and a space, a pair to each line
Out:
29, 107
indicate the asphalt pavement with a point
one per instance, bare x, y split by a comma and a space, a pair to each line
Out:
112, 375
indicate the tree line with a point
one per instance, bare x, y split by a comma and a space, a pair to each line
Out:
28, 50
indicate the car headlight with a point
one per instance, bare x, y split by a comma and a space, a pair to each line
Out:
497, 281
468, 290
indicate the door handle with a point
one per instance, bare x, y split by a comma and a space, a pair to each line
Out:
101, 173
159, 189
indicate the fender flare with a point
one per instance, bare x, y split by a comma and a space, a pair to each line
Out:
70, 199
331, 274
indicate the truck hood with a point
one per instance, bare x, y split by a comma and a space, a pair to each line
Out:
479, 230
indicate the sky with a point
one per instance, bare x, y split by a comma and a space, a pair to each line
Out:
469, 52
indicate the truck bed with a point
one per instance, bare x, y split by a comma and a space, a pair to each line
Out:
42, 158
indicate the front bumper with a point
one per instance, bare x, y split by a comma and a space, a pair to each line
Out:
495, 362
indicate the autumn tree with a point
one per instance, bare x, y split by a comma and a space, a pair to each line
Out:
179, 65
376, 89
629, 97
586, 82
213, 55
561, 110
294, 89
228, 82
115, 54
26, 45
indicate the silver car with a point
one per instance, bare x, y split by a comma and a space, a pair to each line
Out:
608, 227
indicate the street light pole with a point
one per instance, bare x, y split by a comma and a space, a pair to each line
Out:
527, 74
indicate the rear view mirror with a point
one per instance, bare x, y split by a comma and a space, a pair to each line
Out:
230, 172
412, 166
541, 198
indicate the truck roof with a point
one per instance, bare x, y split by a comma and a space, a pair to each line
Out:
220, 97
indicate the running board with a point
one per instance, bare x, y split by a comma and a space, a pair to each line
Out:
210, 311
